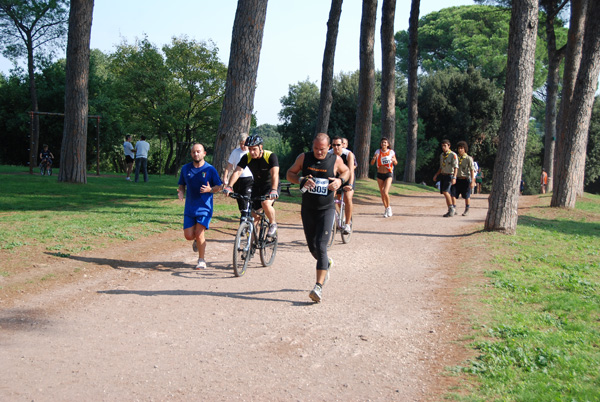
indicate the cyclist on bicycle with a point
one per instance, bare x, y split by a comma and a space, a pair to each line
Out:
348, 158
317, 171
264, 166
46, 157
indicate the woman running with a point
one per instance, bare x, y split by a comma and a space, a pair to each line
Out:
386, 160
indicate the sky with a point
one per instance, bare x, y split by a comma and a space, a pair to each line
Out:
293, 40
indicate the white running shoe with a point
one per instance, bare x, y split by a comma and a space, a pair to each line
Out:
389, 212
201, 264
272, 230
316, 294
347, 228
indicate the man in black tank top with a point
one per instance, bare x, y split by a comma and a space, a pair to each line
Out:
316, 173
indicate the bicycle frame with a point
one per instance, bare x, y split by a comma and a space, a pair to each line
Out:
252, 236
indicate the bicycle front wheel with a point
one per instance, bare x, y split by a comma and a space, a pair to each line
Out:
268, 251
242, 248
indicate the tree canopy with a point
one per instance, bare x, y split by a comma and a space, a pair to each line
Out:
470, 36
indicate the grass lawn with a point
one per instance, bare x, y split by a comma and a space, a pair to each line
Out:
539, 337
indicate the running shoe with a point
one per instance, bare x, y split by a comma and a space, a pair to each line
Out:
316, 293
452, 211
201, 264
195, 246
347, 229
389, 211
466, 212
272, 230
385, 213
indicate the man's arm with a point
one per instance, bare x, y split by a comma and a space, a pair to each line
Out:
235, 176
226, 174
181, 191
341, 168
293, 173
275, 178
351, 166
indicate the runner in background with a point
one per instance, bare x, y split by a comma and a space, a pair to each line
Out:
386, 160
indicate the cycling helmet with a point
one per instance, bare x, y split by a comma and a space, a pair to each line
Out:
253, 141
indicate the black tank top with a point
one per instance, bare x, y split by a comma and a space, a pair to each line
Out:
321, 169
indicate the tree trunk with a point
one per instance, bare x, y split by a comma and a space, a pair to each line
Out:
576, 124
410, 166
238, 103
34, 141
388, 72
572, 63
502, 212
73, 150
327, 73
554, 58
366, 88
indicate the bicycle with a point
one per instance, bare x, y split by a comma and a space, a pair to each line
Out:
46, 167
340, 221
246, 239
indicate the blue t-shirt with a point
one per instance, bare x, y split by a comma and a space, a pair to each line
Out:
197, 203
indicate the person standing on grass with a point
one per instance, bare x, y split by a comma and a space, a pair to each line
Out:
448, 171
129, 156
320, 174
386, 160
465, 178
198, 181
141, 158
543, 181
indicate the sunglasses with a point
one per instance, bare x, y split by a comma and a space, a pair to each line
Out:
337, 145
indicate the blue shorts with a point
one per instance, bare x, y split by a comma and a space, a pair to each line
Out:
189, 221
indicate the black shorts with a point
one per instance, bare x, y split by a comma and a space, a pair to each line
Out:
445, 183
385, 176
128, 159
259, 189
462, 187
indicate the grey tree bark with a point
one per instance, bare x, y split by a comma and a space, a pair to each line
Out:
327, 73
502, 212
572, 62
410, 166
388, 72
73, 149
366, 89
555, 57
576, 125
244, 56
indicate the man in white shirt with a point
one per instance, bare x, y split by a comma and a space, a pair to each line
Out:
129, 156
141, 158
244, 184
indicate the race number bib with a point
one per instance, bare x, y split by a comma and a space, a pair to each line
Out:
321, 186
386, 160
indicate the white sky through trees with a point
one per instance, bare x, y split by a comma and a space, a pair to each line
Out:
293, 42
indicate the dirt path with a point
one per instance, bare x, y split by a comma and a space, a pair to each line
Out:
145, 326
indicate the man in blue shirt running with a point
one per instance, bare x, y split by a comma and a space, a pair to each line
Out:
198, 180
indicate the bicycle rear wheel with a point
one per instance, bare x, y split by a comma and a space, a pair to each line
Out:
241, 249
268, 251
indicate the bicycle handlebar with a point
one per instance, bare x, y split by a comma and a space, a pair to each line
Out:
238, 196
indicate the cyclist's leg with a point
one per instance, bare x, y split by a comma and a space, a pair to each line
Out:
348, 205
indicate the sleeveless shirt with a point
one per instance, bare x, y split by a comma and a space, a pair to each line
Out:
321, 169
